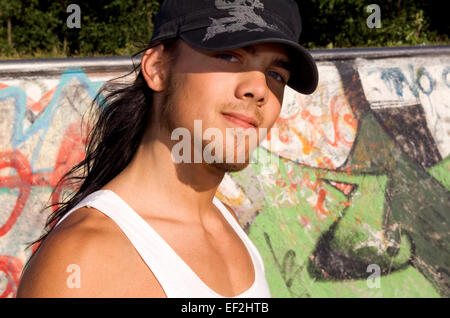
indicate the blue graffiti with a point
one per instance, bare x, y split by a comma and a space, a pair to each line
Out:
394, 79
44, 120
444, 76
423, 72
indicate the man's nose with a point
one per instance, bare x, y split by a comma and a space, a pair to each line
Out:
253, 88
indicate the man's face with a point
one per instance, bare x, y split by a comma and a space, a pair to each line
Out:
220, 88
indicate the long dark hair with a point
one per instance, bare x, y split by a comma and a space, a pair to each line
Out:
121, 112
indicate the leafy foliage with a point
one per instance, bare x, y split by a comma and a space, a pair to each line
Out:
342, 23
108, 27
121, 27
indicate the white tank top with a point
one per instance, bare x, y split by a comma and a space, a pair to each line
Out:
175, 277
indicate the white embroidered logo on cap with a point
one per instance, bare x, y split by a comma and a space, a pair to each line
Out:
241, 12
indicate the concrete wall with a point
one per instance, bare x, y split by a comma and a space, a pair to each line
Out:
357, 180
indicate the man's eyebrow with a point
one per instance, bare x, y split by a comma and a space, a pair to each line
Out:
283, 63
278, 61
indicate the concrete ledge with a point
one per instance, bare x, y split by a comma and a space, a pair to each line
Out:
378, 53
46, 67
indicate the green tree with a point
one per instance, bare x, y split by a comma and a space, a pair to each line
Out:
342, 23
121, 27
8, 10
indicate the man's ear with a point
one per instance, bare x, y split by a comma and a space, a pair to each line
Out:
153, 68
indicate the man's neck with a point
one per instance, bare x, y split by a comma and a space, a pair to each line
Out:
155, 186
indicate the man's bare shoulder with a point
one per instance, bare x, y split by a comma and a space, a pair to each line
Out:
87, 255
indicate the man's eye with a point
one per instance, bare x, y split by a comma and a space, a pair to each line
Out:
278, 76
226, 57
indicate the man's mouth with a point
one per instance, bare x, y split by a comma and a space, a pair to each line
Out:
241, 120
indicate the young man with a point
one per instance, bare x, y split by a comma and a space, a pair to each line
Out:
144, 224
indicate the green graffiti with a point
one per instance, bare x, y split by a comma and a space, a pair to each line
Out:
395, 216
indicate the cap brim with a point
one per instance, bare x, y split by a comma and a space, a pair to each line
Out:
304, 76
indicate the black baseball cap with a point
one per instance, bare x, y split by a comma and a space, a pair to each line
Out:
228, 24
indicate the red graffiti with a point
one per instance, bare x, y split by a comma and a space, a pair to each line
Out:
336, 104
343, 187
12, 268
319, 208
71, 152
23, 180
42, 103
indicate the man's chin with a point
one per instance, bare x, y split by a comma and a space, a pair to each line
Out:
229, 167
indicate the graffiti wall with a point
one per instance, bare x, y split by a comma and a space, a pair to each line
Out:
349, 199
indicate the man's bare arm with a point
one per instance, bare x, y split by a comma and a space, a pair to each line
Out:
87, 257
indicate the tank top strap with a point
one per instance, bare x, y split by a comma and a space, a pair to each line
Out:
238, 229
156, 253
174, 275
